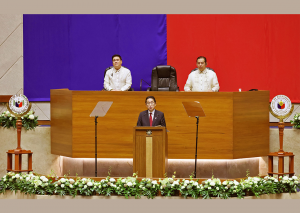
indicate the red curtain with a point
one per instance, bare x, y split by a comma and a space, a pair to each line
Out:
246, 51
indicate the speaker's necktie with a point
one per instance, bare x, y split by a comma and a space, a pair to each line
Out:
150, 119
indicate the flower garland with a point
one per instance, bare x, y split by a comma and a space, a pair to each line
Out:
29, 121
130, 186
296, 121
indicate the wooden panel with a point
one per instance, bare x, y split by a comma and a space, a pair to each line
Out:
61, 122
5, 98
251, 124
122, 116
139, 162
115, 138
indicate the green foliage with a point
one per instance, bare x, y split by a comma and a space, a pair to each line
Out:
29, 121
296, 121
130, 186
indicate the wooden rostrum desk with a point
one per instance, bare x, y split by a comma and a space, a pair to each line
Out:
236, 124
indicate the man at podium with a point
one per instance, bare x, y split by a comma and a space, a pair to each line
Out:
151, 117
117, 78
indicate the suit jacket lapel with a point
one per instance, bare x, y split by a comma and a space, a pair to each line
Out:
146, 119
154, 119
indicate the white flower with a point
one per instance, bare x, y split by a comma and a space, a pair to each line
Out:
175, 183
153, 186
71, 181
83, 179
295, 181
154, 182
226, 187
55, 185
31, 117
285, 178
71, 186
299, 118
62, 185
89, 183
17, 176
85, 186
225, 182
143, 188
195, 184
209, 187
236, 183
10, 118
256, 179
62, 180
217, 188
212, 183
182, 187
21, 178
46, 184
295, 177
4, 176
7, 113
123, 180
187, 181
112, 180
129, 184
27, 178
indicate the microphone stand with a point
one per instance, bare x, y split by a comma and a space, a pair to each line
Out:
197, 117
96, 145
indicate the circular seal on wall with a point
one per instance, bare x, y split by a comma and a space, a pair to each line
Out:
281, 105
18, 104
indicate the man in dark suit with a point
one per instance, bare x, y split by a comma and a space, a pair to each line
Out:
151, 117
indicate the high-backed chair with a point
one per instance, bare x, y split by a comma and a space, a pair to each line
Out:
163, 78
130, 89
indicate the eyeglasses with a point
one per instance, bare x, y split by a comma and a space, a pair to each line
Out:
150, 103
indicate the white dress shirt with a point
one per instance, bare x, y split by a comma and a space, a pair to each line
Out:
151, 114
118, 79
202, 81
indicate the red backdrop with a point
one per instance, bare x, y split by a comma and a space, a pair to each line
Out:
246, 51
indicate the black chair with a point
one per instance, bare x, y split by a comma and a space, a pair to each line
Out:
163, 78
108, 68
206, 68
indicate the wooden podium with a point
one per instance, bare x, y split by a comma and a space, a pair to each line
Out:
150, 151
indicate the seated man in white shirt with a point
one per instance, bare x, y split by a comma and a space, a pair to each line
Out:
117, 78
202, 79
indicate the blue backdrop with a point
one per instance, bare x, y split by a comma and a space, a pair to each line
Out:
72, 51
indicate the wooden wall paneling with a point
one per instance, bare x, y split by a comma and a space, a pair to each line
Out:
61, 122
115, 136
251, 124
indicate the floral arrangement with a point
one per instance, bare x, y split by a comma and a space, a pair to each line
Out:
29, 121
296, 121
107, 186
149, 187
130, 186
169, 186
